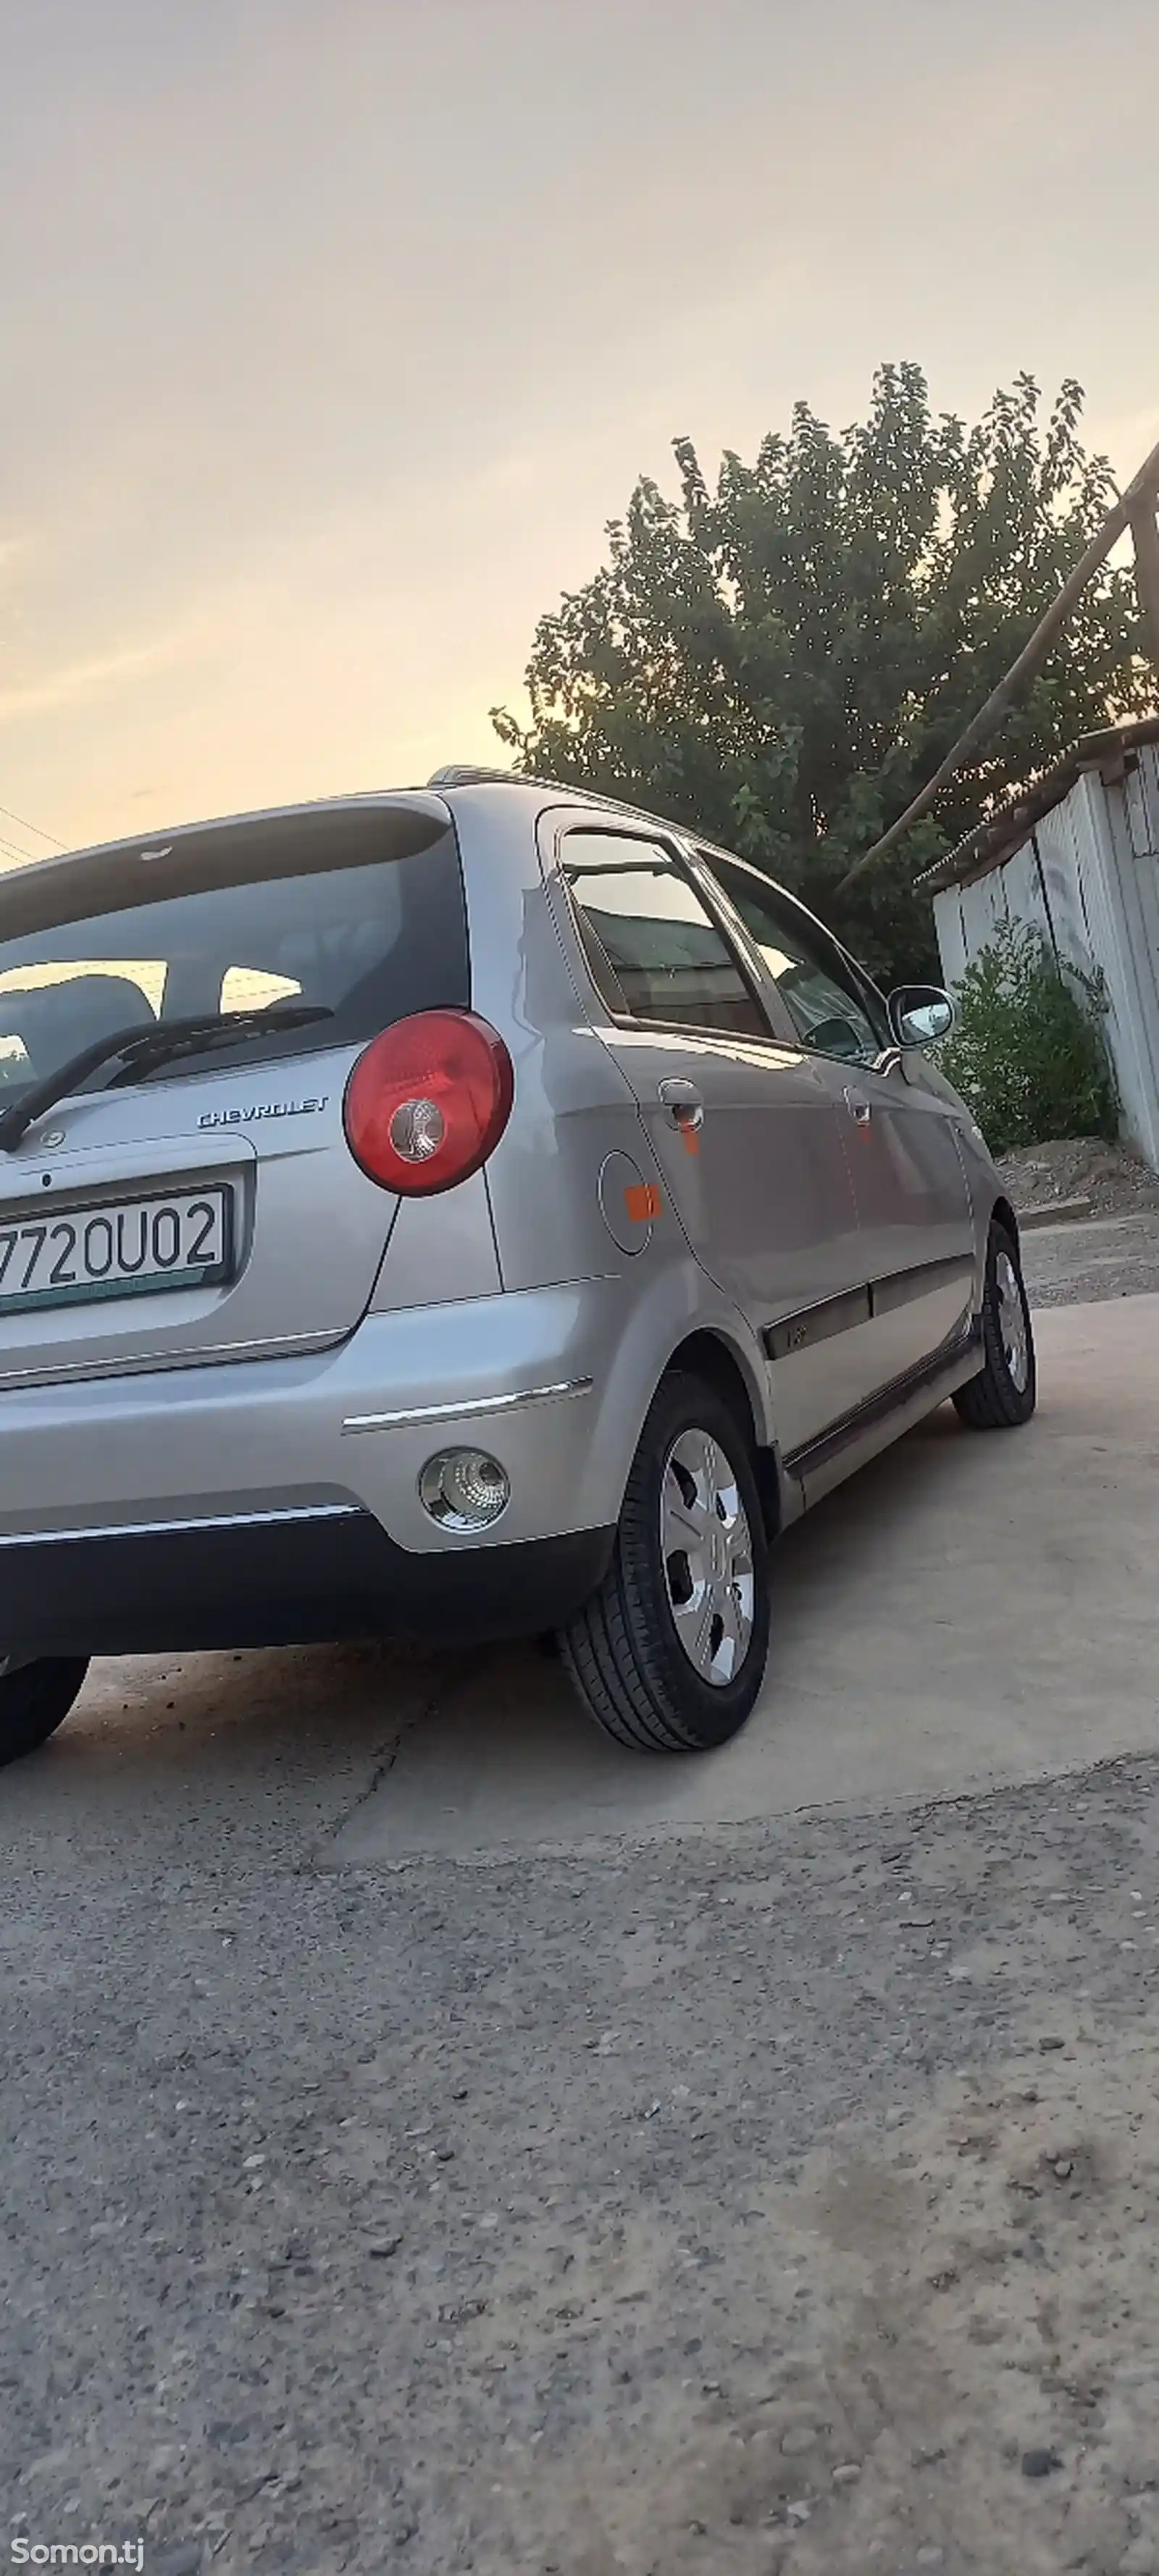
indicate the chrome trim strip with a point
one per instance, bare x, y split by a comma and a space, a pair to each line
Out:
176, 1529
464, 1412
159, 1363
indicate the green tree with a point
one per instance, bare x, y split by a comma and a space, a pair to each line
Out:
781, 662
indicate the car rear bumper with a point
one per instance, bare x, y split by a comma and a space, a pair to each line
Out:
286, 1578
278, 1499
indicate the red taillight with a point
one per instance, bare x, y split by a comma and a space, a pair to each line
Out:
428, 1101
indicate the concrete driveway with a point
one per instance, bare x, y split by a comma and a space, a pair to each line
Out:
970, 1610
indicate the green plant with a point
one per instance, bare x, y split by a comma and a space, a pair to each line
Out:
1027, 1053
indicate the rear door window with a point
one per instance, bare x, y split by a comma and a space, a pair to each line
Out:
359, 912
654, 950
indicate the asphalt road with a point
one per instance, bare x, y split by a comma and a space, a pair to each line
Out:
432, 2142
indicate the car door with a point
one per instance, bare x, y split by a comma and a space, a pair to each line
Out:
908, 1175
743, 1127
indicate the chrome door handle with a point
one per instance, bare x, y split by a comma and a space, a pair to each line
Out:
860, 1109
683, 1102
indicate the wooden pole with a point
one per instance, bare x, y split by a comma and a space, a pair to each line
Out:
1137, 502
1145, 531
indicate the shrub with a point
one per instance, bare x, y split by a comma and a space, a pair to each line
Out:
1027, 1052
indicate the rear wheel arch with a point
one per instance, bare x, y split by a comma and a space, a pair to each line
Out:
707, 1356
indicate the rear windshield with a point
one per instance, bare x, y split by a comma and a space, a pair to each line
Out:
360, 913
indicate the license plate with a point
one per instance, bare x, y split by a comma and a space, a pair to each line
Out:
124, 1248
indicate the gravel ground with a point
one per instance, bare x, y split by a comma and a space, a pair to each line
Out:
1114, 1178
1083, 1263
1112, 1253
775, 2197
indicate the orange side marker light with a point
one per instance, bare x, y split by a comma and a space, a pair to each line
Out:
643, 1202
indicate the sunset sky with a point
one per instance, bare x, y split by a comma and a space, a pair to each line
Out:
334, 330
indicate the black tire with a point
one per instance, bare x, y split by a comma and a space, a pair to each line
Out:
623, 1650
35, 1700
1005, 1393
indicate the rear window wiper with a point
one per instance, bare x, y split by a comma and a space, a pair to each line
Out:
146, 1045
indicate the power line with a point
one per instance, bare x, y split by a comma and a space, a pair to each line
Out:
34, 828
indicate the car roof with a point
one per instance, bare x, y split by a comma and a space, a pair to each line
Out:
553, 791
443, 794
448, 790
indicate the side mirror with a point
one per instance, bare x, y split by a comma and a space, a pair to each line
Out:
920, 1014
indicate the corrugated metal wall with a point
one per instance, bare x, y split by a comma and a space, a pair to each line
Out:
1088, 877
1132, 807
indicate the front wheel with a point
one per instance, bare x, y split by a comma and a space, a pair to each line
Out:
669, 1655
1004, 1394
35, 1699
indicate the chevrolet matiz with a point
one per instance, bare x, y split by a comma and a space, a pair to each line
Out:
475, 1211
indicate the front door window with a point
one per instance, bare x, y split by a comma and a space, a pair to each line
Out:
827, 1005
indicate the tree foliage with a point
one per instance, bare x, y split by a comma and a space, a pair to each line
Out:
1028, 1053
782, 661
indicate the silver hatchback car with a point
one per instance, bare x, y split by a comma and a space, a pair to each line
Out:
482, 1210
